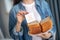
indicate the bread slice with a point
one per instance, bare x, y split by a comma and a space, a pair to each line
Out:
34, 28
46, 24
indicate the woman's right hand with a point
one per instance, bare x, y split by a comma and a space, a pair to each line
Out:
20, 18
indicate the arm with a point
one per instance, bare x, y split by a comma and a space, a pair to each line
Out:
53, 31
12, 26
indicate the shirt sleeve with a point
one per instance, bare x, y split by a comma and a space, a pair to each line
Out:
16, 33
12, 27
47, 9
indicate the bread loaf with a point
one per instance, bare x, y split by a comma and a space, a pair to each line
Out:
46, 24
43, 26
34, 28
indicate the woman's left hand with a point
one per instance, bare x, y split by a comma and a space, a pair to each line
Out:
46, 35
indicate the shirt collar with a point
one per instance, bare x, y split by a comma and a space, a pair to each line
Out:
38, 2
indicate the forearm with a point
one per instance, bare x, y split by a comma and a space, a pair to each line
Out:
18, 27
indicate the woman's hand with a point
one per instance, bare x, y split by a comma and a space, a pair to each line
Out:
20, 18
46, 35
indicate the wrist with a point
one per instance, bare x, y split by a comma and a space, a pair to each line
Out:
19, 23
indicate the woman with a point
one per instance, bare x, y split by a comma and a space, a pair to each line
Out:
17, 23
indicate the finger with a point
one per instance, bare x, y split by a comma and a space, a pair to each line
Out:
42, 34
21, 12
46, 34
18, 14
31, 34
39, 35
24, 13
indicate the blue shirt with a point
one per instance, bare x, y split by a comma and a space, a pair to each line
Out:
43, 9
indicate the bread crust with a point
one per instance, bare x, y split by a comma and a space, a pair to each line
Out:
43, 26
